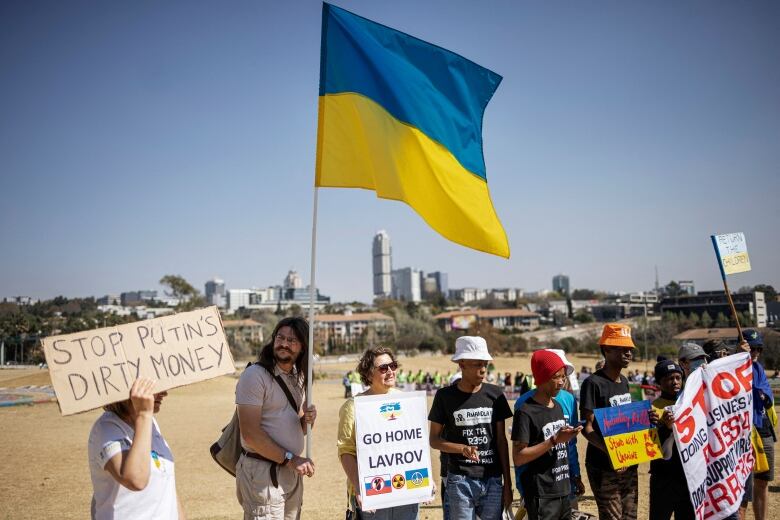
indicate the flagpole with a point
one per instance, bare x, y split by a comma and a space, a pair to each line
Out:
312, 292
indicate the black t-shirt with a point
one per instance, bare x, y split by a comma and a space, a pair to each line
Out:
471, 419
599, 391
672, 468
548, 475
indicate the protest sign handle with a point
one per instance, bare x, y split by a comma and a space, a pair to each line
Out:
726, 286
733, 309
312, 291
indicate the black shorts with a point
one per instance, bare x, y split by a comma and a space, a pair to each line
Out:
769, 449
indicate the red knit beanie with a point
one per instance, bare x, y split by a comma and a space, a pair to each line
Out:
544, 364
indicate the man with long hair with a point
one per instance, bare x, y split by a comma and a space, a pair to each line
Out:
270, 399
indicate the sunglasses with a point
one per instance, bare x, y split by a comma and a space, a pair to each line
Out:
383, 368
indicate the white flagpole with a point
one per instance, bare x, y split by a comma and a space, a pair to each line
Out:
312, 292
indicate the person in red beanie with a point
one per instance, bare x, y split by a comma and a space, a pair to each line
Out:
540, 436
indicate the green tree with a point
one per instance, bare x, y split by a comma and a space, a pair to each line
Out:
189, 297
706, 320
721, 320
583, 294
583, 316
673, 289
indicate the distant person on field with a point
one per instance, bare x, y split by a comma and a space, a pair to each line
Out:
130, 463
467, 421
269, 473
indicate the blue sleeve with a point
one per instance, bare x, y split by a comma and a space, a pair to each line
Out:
574, 458
761, 383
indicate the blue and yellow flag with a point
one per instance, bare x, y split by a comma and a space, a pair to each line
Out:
403, 117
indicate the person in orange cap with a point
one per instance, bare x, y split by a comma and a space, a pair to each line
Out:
616, 492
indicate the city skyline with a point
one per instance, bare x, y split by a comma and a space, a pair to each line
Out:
179, 138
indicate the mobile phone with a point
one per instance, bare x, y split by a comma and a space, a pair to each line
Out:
581, 423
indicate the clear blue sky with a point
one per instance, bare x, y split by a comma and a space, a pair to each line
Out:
144, 138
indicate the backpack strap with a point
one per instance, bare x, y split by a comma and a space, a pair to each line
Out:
283, 386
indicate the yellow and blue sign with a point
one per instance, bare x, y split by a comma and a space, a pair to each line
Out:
403, 118
417, 478
628, 435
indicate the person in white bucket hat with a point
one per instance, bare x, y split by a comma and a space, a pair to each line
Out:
468, 423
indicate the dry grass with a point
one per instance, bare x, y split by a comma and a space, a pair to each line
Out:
44, 473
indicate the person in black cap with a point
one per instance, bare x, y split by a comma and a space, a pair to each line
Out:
762, 401
668, 486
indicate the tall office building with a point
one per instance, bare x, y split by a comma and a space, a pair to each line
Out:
293, 280
215, 292
383, 265
560, 284
406, 284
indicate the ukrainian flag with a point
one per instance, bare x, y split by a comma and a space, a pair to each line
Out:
403, 117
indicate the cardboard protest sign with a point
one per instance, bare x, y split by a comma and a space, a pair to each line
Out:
731, 249
628, 434
96, 367
394, 461
713, 419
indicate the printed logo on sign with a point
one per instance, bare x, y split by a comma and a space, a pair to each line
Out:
378, 485
390, 411
417, 478
552, 428
617, 400
398, 481
472, 416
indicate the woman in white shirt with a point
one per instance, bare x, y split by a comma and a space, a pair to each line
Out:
130, 463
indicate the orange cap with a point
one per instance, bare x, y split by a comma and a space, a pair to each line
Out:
616, 335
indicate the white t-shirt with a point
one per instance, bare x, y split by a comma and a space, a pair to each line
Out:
111, 500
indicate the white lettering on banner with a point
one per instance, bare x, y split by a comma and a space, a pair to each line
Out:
713, 420
473, 416
617, 400
394, 459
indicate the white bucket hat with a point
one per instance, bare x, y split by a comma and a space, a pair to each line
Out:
566, 362
471, 347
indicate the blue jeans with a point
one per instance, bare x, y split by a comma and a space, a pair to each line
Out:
470, 498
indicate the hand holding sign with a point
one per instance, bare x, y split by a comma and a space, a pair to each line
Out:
142, 396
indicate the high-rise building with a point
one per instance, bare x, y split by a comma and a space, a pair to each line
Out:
215, 293
687, 287
435, 284
406, 284
293, 280
560, 284
383, 265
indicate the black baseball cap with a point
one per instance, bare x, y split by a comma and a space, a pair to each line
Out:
666, 367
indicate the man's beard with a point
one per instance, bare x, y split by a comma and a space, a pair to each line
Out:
283, 355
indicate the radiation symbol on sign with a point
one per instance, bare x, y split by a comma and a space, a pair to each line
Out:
398, 481
417, 478
378, 483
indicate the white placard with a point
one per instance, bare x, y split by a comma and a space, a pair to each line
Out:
394, 458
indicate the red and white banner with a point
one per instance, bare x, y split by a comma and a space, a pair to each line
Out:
713, 419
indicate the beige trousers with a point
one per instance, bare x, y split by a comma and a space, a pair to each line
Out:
260, 499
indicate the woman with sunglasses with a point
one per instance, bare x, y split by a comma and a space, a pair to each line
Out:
377, 368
